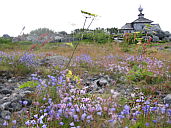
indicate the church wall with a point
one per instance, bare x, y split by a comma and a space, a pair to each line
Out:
139, 26
128, 31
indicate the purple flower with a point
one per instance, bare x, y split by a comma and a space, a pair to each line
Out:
147, 102
136, 113
98, 107
69, 104
153, 108
163, 110
111, 121
44, 126
33, 122
146, 108
25, 102
77, 109
84, 58
126, 109
113, 109
83, 116
169, 112
33, 75
5, 123
138, 100
99, 113
28, 59
60, 80
82, 91
166, 105
60, 111
36, 116
169, 121
44, 98
27, 123
36, 103
40, 120
61, 123
75, 118
89, 117
71, 124
154, 121
121, 116
147, 124
88, 121
14, 121
49, 100
57, 116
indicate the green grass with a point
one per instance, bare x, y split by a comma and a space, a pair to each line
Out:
96, 51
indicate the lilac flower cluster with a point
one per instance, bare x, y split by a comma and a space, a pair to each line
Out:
6, 57
124, 64
24, 58
153, 64
28, 59
62, 103
70, 106
84, 58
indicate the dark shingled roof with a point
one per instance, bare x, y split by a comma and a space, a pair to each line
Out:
142, 20
128, 26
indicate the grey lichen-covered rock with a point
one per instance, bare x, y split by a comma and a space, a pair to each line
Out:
102, 82
4, 105
167, 99
54, 60
6, 115
5, 91
11, 97
97, 83
14, 106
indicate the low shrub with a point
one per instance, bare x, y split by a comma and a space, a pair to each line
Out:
5, 40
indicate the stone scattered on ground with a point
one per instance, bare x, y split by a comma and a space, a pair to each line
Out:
54, 60
97, 83
12, 98
105, 84
167, 99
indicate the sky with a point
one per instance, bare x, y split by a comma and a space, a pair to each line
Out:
65, 15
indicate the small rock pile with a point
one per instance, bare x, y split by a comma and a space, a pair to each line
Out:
12, 99
54, 60
103, 83
97, 84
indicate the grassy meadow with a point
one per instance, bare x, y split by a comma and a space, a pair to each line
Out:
60, 100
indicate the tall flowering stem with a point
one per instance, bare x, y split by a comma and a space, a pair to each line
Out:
88, 15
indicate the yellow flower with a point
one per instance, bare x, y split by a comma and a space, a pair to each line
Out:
139, 43
70, 44
69, 74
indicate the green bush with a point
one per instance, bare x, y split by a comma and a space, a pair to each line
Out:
102, 37
99, 36
5, 40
